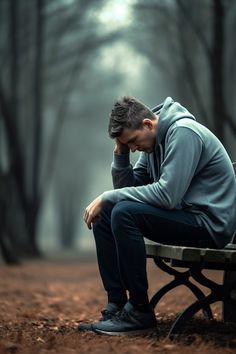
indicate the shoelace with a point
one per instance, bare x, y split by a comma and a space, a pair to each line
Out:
122, 315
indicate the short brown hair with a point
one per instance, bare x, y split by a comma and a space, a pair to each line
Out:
127, 112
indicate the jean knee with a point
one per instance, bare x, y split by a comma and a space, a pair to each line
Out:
103, 221
120, 215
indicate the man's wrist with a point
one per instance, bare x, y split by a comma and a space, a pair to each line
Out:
121, 152
121, 160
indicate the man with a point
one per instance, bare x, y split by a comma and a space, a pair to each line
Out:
181, 191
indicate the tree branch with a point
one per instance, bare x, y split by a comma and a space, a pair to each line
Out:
197, 30
231, 123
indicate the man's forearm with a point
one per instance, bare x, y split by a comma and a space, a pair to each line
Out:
122, 171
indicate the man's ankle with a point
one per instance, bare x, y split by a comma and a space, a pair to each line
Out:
118, 303
142, 306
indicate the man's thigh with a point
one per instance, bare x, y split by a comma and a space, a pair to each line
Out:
174, 227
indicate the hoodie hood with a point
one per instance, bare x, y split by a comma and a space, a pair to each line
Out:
169, 112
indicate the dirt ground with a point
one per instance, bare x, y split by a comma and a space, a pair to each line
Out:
41, 304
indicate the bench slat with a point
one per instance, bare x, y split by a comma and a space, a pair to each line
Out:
219, 256
191, 254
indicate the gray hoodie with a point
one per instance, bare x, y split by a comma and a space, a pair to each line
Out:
189, 169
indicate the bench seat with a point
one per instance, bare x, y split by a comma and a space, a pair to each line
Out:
206, 258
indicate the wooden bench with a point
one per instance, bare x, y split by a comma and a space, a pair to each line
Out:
168, 258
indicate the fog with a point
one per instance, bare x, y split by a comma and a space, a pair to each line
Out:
63, 65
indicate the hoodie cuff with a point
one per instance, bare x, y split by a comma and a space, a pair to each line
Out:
121, 160
108, 197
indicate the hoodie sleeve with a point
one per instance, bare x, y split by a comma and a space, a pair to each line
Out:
123, 173
183, 152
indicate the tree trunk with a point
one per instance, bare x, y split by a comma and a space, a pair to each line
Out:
35, 199
9, 252
217, 67
14, 57
31, 224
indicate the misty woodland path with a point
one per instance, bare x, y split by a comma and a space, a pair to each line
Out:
42, 302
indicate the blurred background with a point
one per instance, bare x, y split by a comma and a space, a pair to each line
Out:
62, 65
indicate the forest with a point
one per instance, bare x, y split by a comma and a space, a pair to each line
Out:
63, 63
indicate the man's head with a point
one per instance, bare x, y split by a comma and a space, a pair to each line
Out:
133, 124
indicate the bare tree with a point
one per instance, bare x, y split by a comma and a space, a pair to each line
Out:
67, 202
35, 27
197, 47
8, 243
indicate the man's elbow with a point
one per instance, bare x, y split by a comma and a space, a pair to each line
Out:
168, 206
168, 203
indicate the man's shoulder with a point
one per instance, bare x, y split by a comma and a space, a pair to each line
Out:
188, 123
193, 126
189, 127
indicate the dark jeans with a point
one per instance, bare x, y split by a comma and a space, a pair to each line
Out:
120, 245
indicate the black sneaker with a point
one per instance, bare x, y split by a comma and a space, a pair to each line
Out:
128, 321
110, 310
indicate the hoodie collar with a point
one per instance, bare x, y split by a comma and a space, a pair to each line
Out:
169, 112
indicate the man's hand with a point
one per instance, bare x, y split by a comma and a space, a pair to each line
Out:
121, 148
92, 212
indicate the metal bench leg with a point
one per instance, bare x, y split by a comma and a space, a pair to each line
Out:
200, 295
219, 292
189, 312
164, 290
181, 278
229, 303
225, 292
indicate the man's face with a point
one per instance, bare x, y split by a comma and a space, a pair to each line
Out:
142, 139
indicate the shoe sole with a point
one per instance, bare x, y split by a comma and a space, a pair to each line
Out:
127, 333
